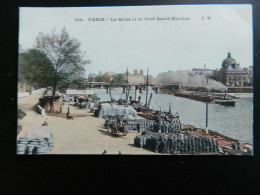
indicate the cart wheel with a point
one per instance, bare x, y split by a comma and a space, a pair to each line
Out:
114, 132
124, 133
114, 129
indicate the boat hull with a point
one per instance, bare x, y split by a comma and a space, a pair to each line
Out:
226, 102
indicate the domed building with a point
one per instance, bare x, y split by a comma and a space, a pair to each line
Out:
230, 63
231, 74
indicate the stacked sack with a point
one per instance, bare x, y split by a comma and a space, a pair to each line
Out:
179, 143
34, 145
144, 125
172, 126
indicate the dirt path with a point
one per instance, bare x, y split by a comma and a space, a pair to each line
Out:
82, 135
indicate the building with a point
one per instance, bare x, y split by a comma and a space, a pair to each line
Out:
100, 73
138, 78
141, 72
109, 76
231, 74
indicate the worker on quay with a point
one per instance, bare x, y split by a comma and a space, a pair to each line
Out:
138, 127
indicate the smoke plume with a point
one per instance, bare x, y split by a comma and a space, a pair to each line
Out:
187, 78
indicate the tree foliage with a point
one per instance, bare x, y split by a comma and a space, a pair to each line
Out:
65, 54
100, 78
66, 57
118, 79
35, 68
79, 83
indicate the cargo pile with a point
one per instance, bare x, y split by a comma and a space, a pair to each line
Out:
143, 125
176, 143
163, 125
167, 126
106, 109
31, 146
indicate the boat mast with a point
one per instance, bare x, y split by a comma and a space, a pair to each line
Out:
147, 88
110, 94
150, 99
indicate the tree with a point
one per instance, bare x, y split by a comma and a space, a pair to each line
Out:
118, 79
107, 78
79, 83
35, 68
66, 57
100, 78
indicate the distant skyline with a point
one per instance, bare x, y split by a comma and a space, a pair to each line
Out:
204, 34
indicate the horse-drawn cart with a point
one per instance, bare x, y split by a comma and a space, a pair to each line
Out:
115, 127
122, 125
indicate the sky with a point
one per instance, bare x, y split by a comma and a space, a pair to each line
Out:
206, 35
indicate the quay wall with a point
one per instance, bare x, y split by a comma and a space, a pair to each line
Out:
34, 92
240, 90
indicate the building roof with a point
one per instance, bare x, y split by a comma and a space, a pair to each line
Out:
228, 61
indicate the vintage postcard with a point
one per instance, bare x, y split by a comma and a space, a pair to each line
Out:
135, 80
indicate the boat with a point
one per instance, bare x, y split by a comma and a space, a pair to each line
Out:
194, 96
225, 100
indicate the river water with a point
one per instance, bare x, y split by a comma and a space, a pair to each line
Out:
235, 122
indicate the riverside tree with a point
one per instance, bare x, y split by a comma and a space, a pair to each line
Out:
35, 68
118, 79
100, 78
66, 57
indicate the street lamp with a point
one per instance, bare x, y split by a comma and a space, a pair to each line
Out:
207, 79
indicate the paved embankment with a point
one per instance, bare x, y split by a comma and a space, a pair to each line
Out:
82, 135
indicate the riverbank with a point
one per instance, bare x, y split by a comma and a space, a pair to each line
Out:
233, 95
233, 121
82, 135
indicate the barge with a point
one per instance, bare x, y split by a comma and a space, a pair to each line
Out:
227, 145
225, 102
193, 96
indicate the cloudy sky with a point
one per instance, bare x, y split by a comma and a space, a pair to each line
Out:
205, 37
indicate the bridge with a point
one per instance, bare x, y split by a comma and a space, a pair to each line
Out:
140, 87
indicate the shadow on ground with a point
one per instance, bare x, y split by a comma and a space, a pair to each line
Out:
132, 145
105, 132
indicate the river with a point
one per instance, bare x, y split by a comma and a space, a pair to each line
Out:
235, 122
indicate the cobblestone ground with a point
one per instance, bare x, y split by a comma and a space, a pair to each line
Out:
82, 135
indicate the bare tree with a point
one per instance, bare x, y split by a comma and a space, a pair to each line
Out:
66, 57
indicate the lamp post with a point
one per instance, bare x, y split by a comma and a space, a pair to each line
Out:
207, 104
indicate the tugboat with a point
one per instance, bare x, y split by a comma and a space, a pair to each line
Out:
226, 101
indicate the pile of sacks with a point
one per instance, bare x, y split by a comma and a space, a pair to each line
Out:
143, 125
107, 109
165, 126
31, 146
176, 143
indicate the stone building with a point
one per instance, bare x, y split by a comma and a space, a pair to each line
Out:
109, 76
138, 78
231, 74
